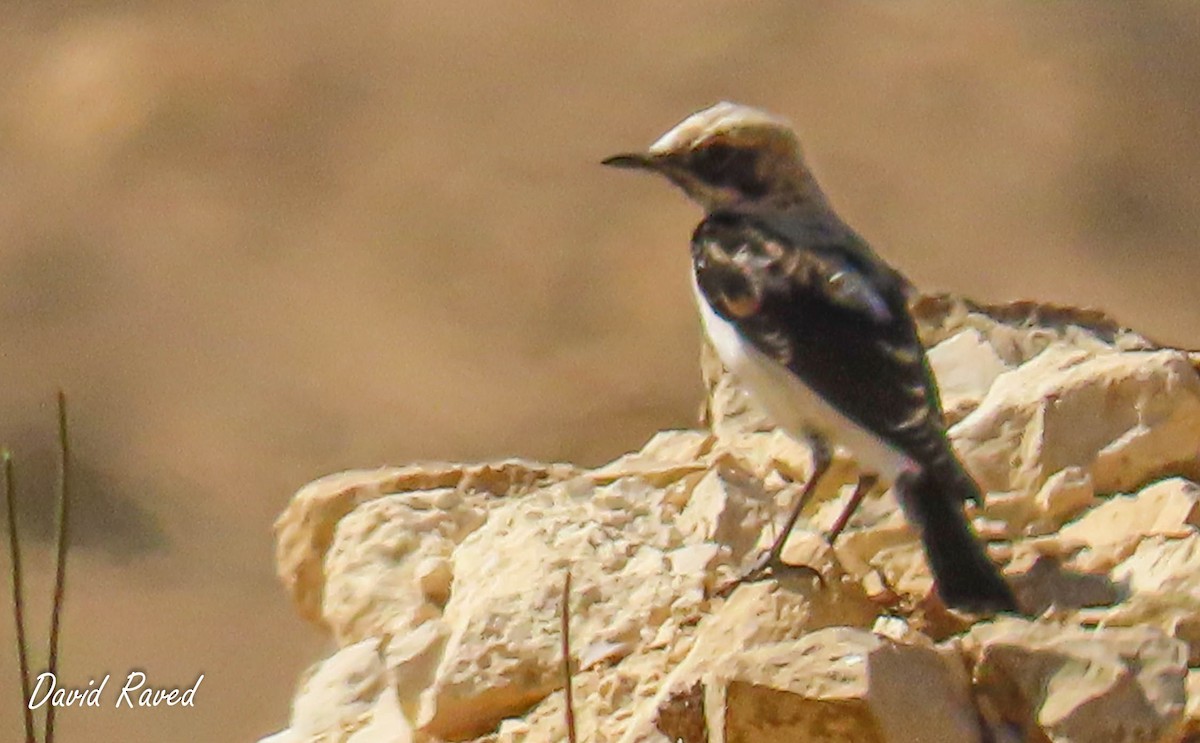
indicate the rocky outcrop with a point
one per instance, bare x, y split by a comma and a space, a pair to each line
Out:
443, 585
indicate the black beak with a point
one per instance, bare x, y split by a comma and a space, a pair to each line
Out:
633, 161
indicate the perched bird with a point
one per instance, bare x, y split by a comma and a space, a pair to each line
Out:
817, 328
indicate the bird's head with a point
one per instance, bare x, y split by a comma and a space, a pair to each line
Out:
729, 156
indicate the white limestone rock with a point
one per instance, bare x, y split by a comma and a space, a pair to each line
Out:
442, 583
1123, 417
1075, 685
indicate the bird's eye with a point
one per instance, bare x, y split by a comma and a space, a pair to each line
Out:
714, 157
725, 166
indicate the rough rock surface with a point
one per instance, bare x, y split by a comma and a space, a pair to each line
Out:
442, 584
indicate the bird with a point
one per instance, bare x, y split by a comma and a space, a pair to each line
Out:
817, 328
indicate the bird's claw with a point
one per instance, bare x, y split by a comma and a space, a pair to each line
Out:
770, 565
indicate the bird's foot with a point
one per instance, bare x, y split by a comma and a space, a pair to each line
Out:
770, 565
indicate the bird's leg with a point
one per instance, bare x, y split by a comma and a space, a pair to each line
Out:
772, 561
864, 486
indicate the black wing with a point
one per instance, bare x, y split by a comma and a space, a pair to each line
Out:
834, 315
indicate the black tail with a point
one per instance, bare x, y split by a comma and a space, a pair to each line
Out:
966, 578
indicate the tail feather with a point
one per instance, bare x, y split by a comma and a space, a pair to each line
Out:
965, 576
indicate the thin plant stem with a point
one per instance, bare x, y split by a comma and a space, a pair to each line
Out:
566, 654
18, 593
60, 566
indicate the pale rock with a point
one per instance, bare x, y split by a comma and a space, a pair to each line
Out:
889, 557
612, 694
965, 366
304, 531
694, 559
811, 552
728, 411
1073, 685
1176, 614
666, 457
305, 528
877, 590
1023, 553
756, 614
877, 508
791, 457
1167, 508
1096, 559
348, 698
1162, 565
450, 577
412, 656
1047, 584
1065, 494
387, 723
836, 684
727, 506
900, 630
1179, 499
904, 569
1006, 515
863, 546
1022, 329
390, 559
1163, 576
435, 575
496, 661
767, 454
730, 506
763, 613
991, 530
1120, 416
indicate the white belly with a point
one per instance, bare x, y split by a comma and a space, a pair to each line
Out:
791, 403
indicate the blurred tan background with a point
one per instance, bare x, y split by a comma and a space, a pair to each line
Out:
260, 242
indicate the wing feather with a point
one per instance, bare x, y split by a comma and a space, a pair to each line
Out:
833, 315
